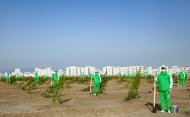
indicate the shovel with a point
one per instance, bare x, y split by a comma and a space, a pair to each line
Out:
154, 110
91, 87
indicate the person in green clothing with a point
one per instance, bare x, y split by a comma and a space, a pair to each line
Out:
120, 76
36, 77
82, 76
186, 76
8, 78
165, 82
55, 79
97, 80
129, 75
17, 77
181, 77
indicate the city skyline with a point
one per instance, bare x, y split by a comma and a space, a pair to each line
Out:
42, 33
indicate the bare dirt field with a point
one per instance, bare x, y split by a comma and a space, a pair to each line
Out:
15, 102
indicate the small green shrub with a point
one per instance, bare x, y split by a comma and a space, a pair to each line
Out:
133, 92
29, 85
150, 79
105, 79
175, 78
55, 92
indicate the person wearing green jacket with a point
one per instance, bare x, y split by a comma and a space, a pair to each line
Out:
186, 76
8, 78
55, 79
165, 82
97, 80
36, 77
82, 76
129, 75
120, 76
181, 77
146, 75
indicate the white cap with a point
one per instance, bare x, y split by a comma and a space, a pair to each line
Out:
163, 67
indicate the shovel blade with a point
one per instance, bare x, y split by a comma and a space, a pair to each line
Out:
154, 110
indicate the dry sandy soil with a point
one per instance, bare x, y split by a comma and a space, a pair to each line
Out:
17, 103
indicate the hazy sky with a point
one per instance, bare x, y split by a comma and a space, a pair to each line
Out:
93, 32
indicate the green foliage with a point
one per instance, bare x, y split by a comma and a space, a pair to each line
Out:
133, 92
175, 78
58, 91
105, 79
55, 92
49, 92
150, 79
42, 80
29, 85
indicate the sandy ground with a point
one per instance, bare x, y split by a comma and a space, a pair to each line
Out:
17, 103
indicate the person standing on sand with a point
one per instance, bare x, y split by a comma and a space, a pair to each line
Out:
55, 79
97, 81
181, 77
165, 82
8, 78
36, 77
82, 76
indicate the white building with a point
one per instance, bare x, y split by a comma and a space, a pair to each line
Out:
28, 74
17, 72
73, 71
136, 69
44, 71
60, 72
155, 71
88, 69
174, 70
149, 70
77, 71
185, 68
109, 70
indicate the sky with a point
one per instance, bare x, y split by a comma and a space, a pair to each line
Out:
61, 33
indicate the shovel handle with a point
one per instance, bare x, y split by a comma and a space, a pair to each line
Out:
154, 104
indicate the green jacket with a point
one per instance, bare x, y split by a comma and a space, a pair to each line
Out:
82, 75
36, 75
55, 76
165, 81
181, 76
96, 79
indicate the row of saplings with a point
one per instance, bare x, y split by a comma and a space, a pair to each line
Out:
55, 91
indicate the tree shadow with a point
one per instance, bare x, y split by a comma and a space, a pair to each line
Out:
150, 106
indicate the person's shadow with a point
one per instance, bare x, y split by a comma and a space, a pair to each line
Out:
150, 106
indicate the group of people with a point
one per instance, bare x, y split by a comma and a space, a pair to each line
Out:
165, 82
55, 78
183, 77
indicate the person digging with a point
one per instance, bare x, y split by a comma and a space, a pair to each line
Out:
165, 82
